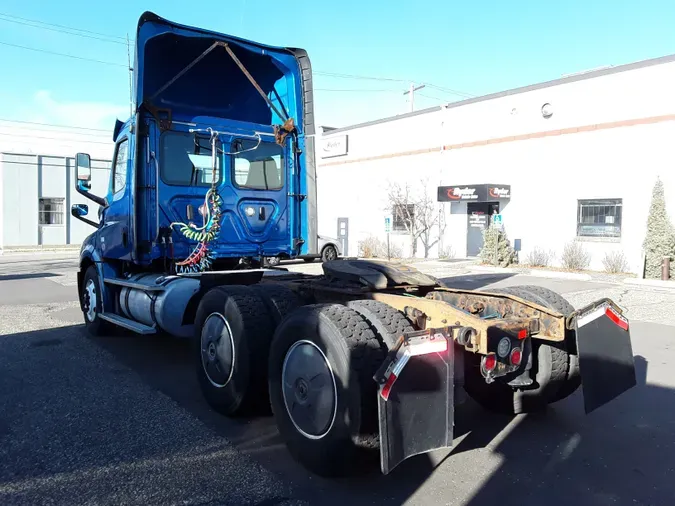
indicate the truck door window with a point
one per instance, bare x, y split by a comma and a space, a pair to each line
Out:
185, 160
120, 168
259, 169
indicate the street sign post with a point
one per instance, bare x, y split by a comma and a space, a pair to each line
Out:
387, 229
497, 219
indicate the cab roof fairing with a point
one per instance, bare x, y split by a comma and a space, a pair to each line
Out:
285, 66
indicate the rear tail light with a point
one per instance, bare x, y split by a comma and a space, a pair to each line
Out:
516, 356
489, 362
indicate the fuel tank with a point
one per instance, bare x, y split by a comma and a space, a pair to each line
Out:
163, 308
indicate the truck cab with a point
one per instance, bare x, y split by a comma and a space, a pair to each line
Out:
217, 162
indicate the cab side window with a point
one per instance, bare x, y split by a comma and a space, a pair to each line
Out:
120, 167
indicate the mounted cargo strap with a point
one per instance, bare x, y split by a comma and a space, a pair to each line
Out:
416, 396
606, 362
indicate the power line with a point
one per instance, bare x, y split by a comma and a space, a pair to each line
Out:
354, 76
61, 26
29, 137
449, 90
54, 125
87, 134
390, 79
60, 30
125, 41
361, 90
62, 54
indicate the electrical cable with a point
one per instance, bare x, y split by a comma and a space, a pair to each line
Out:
37, 50
3, 17
107, 130
57, 139
60, 26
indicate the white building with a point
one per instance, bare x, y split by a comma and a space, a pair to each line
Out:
576, 157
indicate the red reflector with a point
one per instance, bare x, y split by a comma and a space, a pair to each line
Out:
386, 389
522, 334
617, 318
516, 356
489, 362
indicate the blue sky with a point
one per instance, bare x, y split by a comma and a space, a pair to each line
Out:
472, 47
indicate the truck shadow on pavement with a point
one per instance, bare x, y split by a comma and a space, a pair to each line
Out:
624, 453
620, 454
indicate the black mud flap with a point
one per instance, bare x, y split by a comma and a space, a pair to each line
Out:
415, 396
606, 362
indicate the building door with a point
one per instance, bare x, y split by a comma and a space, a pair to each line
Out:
478, 215
343, 234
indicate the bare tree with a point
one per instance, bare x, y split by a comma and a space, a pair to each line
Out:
429, 216
417, 213
402, 205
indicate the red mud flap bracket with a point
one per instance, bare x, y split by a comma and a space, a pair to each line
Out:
415, 396
606, 362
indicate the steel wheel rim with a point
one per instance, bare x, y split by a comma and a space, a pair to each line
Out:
90, 300
309, 389
217, 350
331, 254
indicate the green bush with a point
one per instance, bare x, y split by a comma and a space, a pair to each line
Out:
496, 248
660, 237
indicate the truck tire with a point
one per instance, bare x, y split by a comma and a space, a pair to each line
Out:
279, 299
233, 329
321, 366
550, 361
91, 292
552, 300
385, 321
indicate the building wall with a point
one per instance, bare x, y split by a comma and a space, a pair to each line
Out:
28, 178
608, 137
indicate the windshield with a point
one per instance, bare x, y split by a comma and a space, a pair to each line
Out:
186, 160
259, 169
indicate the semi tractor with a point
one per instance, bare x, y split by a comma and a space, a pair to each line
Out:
213, 172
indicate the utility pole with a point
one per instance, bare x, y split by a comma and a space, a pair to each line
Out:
412, 91
131, 95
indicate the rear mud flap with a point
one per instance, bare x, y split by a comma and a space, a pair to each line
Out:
415, 397
606, 363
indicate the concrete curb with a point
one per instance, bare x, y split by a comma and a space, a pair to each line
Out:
653, 283
576, 276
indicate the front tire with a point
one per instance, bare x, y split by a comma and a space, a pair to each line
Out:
233, 329
321, 363
92, 303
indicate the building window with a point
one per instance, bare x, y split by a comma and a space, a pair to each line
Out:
403, 216
50, 212
599, 218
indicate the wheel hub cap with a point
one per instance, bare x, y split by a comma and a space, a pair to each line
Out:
309, 390
90, 301
218, 352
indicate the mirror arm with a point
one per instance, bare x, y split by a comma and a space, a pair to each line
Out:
99, 200
88, 222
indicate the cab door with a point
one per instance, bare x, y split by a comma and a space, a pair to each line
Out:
114, 235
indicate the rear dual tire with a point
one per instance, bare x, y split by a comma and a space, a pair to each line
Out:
555, 366
233, 329
321, 366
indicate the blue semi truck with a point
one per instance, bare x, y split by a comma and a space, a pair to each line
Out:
213, 173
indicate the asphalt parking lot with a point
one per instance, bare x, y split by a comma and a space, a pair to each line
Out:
119, 419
